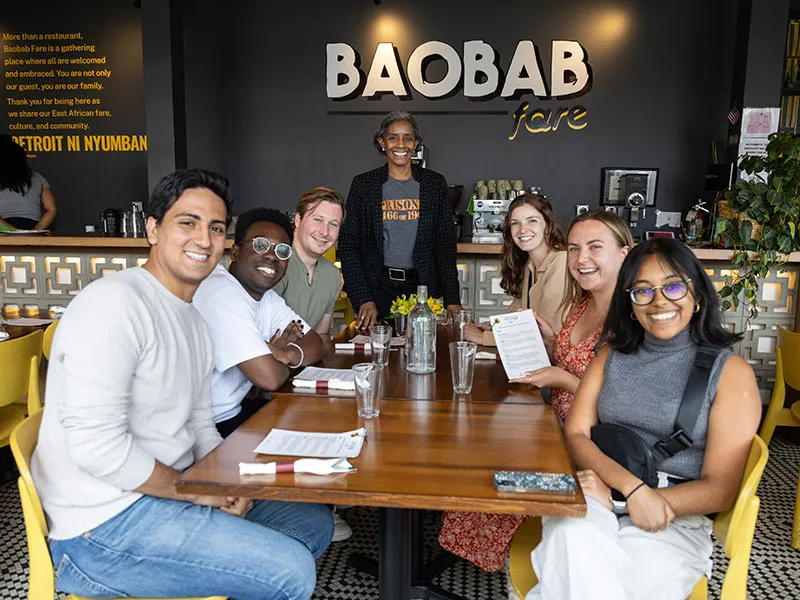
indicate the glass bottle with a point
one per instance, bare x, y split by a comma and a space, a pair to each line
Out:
421, 335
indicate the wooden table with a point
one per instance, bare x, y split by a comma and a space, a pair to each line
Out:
419, 455
490, 383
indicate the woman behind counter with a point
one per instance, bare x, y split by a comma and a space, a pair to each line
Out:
398, 233
26, 201
534, 264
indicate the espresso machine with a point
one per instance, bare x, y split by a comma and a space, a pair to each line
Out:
490, 204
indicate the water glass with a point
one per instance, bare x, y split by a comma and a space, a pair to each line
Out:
462, 365
381, 338
460, 321
368, 378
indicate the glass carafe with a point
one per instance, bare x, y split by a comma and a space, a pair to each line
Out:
421, 335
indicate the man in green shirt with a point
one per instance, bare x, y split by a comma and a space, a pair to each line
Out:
312, 282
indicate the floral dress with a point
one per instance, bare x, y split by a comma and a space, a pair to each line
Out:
484, 538
573, 359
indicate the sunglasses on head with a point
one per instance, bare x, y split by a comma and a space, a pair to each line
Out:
674, 290
261, 245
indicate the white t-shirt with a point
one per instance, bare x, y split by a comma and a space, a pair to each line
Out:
240, 327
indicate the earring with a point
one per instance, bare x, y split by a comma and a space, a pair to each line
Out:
697, 308
633, 316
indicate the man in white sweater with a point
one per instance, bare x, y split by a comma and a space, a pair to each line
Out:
128, 408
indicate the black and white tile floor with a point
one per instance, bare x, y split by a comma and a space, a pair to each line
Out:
774, 568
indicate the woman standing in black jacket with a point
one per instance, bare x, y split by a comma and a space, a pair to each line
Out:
399, 228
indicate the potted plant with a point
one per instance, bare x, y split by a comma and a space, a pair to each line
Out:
758, 218
402, 306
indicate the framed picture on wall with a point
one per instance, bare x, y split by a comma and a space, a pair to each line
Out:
628, 187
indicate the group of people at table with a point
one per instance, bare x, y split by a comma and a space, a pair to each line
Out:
151, 367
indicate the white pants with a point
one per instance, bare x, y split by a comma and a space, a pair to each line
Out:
598, 556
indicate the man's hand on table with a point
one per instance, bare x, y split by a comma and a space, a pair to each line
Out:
279, 344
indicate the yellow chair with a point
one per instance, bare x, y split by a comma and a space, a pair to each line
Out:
47, 342
41, 580
796, 524
787, 372
734, 529
20, 360
343, 304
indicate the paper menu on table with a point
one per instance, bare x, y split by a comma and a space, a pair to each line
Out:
397, 341
286, 442
519, 343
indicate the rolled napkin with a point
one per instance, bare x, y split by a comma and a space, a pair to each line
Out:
330, 384
483, 355
351, 347
315, 466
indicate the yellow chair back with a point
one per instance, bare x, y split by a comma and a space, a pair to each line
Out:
41, 580
734, 529
789, 345
47, 342
787, 372
15, 356
331, 254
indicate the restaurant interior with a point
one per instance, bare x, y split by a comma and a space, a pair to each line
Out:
631, 106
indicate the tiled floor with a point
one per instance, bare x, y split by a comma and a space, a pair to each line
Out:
774, 569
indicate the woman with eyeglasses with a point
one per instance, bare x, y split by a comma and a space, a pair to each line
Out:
597, 243
534, 265
256, 337
663, 309
399, 228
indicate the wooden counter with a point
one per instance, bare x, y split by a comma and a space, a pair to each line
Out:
464, 247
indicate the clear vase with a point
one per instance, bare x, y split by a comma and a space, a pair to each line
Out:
421, 336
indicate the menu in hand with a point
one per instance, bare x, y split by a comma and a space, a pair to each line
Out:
519, 343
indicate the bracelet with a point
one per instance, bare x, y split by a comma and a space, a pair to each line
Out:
633, 490
302, 357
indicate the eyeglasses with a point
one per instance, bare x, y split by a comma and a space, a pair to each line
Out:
261, 245
675, 290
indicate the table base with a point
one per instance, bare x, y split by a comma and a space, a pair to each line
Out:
400, 569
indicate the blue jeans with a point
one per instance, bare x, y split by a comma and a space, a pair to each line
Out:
157, 548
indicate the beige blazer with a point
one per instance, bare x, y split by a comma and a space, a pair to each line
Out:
546, 293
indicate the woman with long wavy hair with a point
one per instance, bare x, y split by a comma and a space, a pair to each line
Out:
534, 264
26, 201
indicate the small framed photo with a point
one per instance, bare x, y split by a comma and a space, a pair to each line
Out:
634, 188
649, 235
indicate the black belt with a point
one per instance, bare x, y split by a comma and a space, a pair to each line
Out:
400, 274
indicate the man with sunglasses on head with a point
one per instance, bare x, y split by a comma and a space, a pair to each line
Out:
256, 337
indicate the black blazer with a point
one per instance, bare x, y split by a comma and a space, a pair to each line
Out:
361, 238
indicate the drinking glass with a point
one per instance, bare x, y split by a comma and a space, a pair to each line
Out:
462, 365
368, 378
460, 321
380, 337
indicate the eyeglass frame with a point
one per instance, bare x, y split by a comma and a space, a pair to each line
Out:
270, 246
686, 282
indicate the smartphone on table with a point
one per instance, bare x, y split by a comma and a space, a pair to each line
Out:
535, 482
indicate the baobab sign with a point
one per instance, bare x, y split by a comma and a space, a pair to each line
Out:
476, 72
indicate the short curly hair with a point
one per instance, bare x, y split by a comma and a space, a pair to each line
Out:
261, 215
394, 117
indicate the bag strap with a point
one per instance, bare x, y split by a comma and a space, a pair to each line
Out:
692, 403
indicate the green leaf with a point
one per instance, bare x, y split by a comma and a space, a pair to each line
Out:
725, 291
791, 228
726, 305
745, 231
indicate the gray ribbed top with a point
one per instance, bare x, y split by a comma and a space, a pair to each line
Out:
643, 391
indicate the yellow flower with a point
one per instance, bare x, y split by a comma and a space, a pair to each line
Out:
402, 306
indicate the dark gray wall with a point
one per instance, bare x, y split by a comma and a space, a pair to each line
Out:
258, 111
86, 182
765, 55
